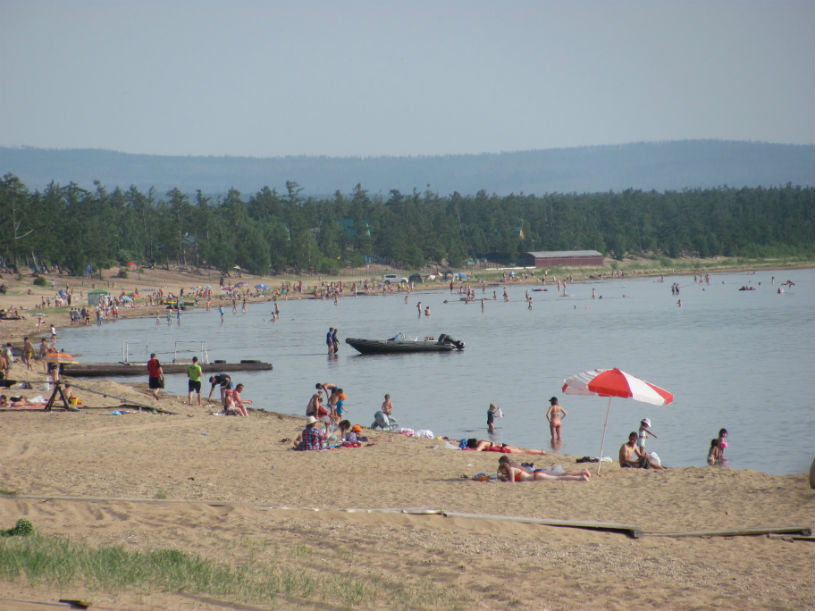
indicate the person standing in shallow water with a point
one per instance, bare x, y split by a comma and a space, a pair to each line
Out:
555, 416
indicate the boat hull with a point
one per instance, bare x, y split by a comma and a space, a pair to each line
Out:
376, 346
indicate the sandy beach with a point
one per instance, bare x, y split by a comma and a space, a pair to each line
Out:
401, 517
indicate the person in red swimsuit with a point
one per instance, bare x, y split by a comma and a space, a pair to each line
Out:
510, 471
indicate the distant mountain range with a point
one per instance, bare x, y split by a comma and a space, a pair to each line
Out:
660, 166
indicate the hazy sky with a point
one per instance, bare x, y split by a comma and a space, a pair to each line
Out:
380, 77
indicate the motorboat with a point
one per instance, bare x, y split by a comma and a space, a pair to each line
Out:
401, 343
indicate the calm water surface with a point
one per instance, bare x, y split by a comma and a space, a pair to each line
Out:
742, 360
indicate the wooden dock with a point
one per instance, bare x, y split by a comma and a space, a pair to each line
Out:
112, 370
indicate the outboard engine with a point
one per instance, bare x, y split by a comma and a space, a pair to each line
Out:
446, 339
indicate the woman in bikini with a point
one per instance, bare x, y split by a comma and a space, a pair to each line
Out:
483, 445
510, 471
555, 416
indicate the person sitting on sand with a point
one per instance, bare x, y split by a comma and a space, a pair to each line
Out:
353, 435
311, 438
509, 471
631, 457
484, 445
240, 404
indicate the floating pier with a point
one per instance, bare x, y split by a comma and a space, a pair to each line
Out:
102, 370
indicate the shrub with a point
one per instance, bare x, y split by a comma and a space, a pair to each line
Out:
40, 281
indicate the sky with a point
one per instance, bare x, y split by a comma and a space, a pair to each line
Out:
362, 78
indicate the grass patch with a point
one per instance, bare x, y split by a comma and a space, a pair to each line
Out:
61, 562
160, 494
6, 492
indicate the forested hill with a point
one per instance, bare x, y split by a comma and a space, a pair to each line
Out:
648, 166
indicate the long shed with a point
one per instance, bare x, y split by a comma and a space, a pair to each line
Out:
563, 258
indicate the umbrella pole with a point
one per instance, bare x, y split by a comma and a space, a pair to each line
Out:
603, 442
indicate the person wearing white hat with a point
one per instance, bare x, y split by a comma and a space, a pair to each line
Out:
311, 438
645, 430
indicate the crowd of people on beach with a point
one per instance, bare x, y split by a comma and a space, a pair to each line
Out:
326, 412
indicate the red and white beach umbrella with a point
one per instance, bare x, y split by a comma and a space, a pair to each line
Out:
615, 383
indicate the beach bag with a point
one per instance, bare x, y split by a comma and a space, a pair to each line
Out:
161, 382
655, 457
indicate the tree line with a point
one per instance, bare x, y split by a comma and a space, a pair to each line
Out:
271, 232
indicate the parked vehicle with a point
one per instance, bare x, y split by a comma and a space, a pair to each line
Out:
394, 279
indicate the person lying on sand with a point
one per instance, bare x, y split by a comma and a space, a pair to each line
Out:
509, 471
484, 445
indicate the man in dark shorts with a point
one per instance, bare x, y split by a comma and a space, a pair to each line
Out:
224, 381
155, 375
194, 374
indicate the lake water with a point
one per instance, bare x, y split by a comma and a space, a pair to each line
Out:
743, 360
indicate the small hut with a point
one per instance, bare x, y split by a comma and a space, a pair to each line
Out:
95, 296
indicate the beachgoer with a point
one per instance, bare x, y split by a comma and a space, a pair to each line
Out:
43, 350
484, 445
314, 404
714, 454
630, 456
336, 340
240, 404
329, 340
326, 387
28, 352
643, 432
387, 405
509, 471
8, 353
555, 415
338, 408
311, 438
224, 381
723, 441
155, 375
493, 412
353, 435
194, 374
384, 417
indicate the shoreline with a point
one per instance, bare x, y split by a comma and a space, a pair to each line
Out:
391, 524
23, 296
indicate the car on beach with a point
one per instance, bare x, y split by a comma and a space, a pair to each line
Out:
394, 279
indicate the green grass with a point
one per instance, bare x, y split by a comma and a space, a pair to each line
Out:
60, 562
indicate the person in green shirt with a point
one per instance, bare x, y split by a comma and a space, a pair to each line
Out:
194, 374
